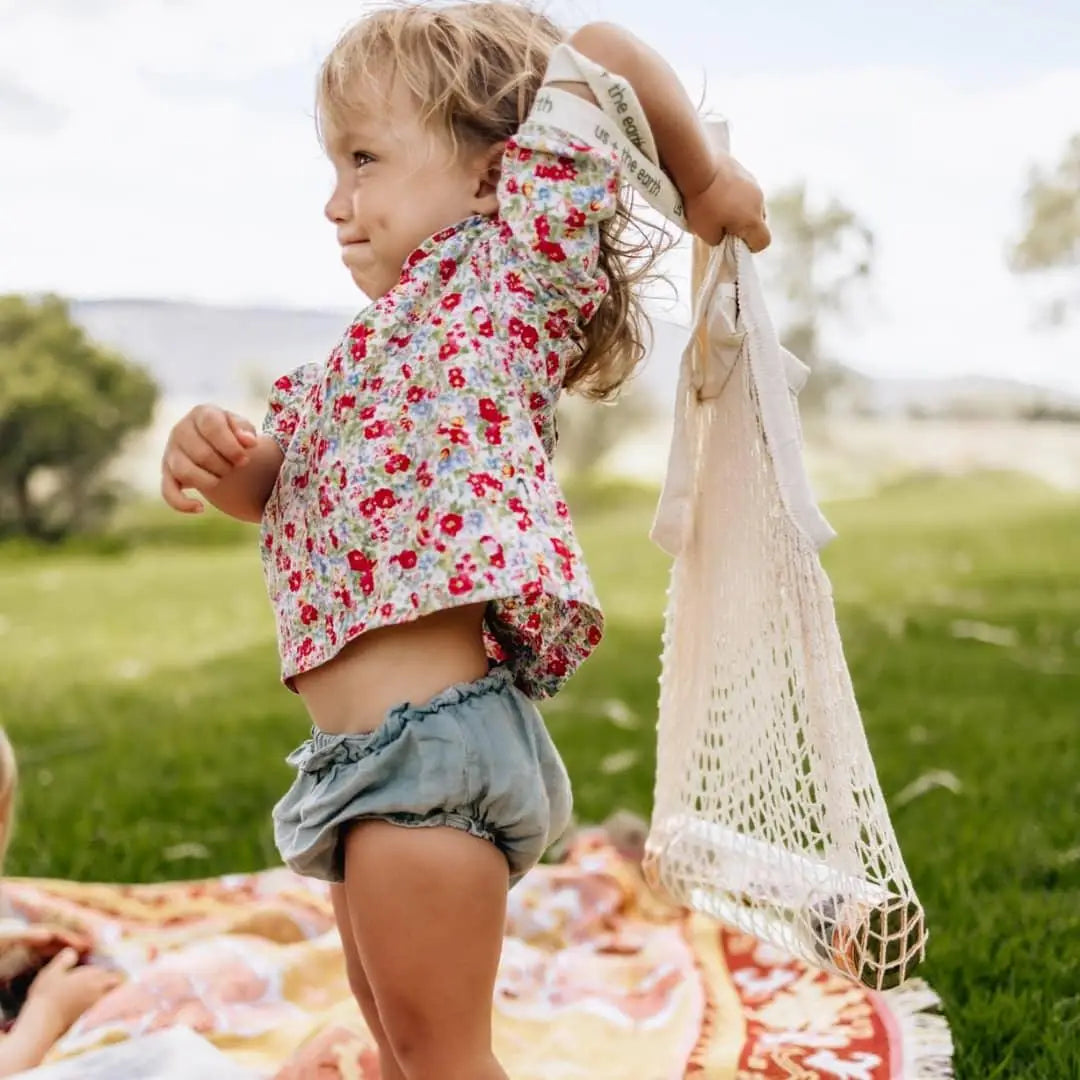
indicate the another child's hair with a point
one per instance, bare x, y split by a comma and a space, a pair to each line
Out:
475, 69
9, 782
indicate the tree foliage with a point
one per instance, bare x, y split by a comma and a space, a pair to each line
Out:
66, 407
1051, 225
820, 258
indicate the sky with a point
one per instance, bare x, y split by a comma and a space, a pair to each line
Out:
166, 149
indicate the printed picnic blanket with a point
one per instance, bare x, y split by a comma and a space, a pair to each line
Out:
599, 979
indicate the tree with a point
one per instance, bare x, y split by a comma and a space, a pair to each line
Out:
66, 406
1051, 236
819, 257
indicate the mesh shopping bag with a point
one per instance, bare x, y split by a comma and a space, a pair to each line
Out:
767, 810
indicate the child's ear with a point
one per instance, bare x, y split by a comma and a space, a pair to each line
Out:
489, 170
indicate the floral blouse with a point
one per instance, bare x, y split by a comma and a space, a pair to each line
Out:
417, 472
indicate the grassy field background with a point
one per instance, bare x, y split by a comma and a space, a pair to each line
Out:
139, 685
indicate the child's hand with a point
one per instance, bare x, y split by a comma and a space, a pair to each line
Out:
732, 203
204, 446
62, 992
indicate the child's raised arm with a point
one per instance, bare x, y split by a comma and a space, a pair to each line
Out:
719, 195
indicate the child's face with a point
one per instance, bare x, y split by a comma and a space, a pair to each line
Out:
398, 184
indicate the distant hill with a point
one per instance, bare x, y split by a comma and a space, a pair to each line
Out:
230, 354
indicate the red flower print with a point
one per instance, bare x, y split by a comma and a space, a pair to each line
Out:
379, 430
575, 219
558, 665
558, 324
553, 364
533, 622
456, 378
284, 383
459, 585
564, 170
309, 614
367, 413
407, 560
515, 285
397, 463
562, 509
560, 548
458, 435
367, 507
489, 411
423, 475
386, 610
450, 301
295, 580
415, 395
447, 269
306, 648
290, 530
341, 403
531, 591
594, 635
451, 524
309, 544
359, 562
385, 499
536, 401
515, 326
444, 234
529, 337
416, 258
268, 543
406, 371
448, 350
493, 435
553, 252
481, 483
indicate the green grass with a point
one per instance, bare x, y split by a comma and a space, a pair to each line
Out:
140, 690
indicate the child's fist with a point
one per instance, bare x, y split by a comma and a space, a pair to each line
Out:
204, 446
732, 203
62, 992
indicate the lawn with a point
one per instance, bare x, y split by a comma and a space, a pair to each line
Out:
140, 689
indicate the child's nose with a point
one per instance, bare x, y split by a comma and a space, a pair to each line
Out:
338, 207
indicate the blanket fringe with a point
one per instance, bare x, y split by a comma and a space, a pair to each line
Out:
925, 1041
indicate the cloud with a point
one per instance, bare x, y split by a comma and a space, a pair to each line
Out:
27, 110
187, 167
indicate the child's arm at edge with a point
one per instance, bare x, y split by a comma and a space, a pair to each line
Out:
219, 454
242, 494
710, 181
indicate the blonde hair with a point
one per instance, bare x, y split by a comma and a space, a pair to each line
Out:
474, 69
9, 782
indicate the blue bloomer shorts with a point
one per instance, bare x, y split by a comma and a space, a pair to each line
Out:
477, 757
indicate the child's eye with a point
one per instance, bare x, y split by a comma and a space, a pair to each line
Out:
360, 159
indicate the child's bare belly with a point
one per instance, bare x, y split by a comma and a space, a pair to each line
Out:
412, 662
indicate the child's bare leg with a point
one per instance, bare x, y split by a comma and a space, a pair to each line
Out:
428, 907
358, 983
